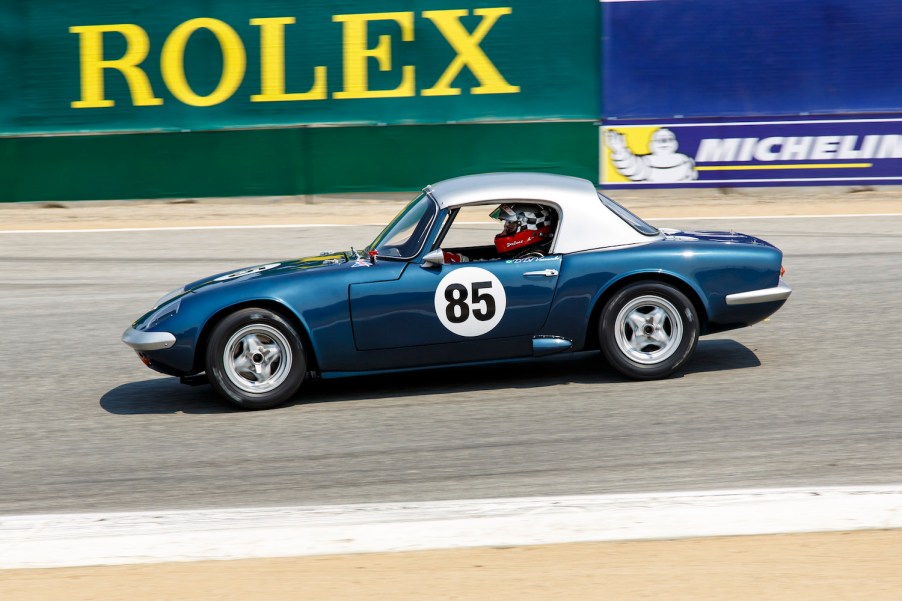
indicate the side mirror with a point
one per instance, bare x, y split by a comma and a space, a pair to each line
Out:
433, 259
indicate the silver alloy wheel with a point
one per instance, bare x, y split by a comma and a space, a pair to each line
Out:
648, 329
257, 358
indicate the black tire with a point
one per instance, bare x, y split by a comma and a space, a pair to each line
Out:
648, 330
255, 359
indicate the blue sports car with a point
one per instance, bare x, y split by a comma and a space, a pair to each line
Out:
569, 270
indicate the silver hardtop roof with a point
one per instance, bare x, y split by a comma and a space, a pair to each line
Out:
586, 223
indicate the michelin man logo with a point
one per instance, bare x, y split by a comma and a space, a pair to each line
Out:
662, 165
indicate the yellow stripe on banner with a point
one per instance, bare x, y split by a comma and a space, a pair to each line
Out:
766, 167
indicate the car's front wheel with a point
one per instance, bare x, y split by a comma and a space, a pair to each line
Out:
648, 330
255, 359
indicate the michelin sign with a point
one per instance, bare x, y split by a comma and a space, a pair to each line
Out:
751, 153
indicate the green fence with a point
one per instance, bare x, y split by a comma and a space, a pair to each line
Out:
285, 161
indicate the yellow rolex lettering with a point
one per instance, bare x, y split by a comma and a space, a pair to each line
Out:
358, 58
172, 62
272, 65
92, 65
469, 53
356, 55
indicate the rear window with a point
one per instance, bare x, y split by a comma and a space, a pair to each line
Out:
624, 213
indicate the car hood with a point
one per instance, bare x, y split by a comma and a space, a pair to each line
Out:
274, 268
708, 236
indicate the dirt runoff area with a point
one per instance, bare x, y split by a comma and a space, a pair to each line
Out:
799, 567
378, 209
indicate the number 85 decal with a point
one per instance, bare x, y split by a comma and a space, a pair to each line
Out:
470, 301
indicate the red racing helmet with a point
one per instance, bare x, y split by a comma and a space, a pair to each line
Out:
524, 225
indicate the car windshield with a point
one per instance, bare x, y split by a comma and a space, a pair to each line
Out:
404, 236
624, 213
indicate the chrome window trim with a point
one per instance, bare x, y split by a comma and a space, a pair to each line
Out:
628, 216
428, 230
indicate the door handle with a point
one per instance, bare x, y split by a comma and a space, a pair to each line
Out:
548, 273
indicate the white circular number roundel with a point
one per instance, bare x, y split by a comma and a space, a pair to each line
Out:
470, 301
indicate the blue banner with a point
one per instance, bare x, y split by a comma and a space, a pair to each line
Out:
667, 59
778, 153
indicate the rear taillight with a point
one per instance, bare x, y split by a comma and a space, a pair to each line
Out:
782, 271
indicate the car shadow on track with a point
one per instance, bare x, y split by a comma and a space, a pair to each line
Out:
162, 396
166, 395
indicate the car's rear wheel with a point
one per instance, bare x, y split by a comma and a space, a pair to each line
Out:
648, 330
255, 359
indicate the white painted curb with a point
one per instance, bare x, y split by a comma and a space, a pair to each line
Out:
43, 541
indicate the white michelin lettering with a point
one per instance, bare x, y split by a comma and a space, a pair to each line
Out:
764, 150
868, 147
714, 150
824, 148
890, 147
796, 148
799, 148
747, 150
847, 148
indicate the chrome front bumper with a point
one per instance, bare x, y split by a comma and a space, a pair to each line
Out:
147, 341
766, 295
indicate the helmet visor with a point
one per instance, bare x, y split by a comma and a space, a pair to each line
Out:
504, 213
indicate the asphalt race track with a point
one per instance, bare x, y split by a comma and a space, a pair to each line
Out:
811, 397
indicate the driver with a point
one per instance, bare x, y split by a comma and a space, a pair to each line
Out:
527, 232
525, 226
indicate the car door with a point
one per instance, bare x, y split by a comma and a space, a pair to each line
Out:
441, 310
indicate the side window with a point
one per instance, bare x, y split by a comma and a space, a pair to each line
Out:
472, 227
486, 232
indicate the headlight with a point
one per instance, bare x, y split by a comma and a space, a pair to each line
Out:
164, 312
168, 297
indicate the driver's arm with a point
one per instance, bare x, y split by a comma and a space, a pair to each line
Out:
451, 257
